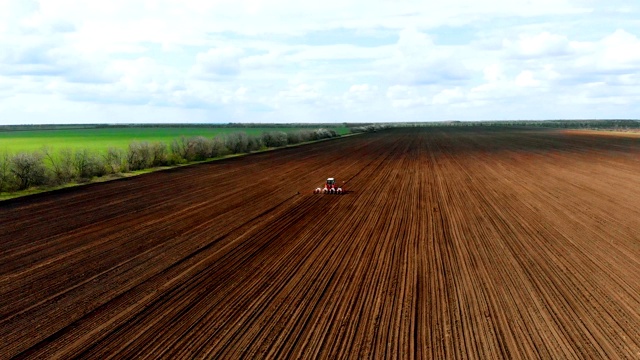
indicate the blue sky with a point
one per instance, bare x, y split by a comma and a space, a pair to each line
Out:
72, 61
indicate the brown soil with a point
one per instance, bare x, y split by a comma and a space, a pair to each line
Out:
451, 243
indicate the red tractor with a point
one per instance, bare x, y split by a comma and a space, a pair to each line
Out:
331, 187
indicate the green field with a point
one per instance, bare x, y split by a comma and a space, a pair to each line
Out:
100, 139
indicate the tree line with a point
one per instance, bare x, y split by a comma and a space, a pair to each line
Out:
368, 128
46, 167
614, 124
39, 127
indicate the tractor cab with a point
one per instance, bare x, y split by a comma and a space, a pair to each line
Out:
331, 187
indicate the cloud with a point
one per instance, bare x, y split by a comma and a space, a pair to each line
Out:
620, 50
493, 73
526, 79
402, 96
286, 60
449, 96
359, 95
544, 44
613, 59
219, 62
300, 93
416, 60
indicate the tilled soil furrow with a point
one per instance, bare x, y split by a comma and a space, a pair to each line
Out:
451, 242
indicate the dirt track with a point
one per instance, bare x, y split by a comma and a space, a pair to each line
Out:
452, 243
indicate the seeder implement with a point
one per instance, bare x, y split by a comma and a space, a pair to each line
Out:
330, 187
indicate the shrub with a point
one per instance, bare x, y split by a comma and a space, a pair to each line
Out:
114, 161
24, 170
325, 134
218, 147
358, 129
139, 156
200, 147
274, 139
65, 170
368, 128
28, 169
88, 164
307, 135
255, 143
7, 179
61, 165
237, 143
173, 159
294, 137
159, 154
180, 149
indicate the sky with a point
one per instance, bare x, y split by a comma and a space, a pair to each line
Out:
286, 61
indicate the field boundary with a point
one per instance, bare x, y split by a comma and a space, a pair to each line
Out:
5, 198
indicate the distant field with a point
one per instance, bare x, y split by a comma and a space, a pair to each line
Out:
100, 139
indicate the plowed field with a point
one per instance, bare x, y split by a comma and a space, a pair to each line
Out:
451, 243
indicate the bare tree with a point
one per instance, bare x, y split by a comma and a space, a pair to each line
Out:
66, 164
81, 163
61, 165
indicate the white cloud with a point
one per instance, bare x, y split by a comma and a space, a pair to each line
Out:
299, 93
449, 96
416, 60
402, 96
220, 62
621, 49
539, 45
526, 79
361, 96
285, 60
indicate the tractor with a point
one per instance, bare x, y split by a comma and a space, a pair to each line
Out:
330, 187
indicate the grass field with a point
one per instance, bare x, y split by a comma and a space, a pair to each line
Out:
100, 139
